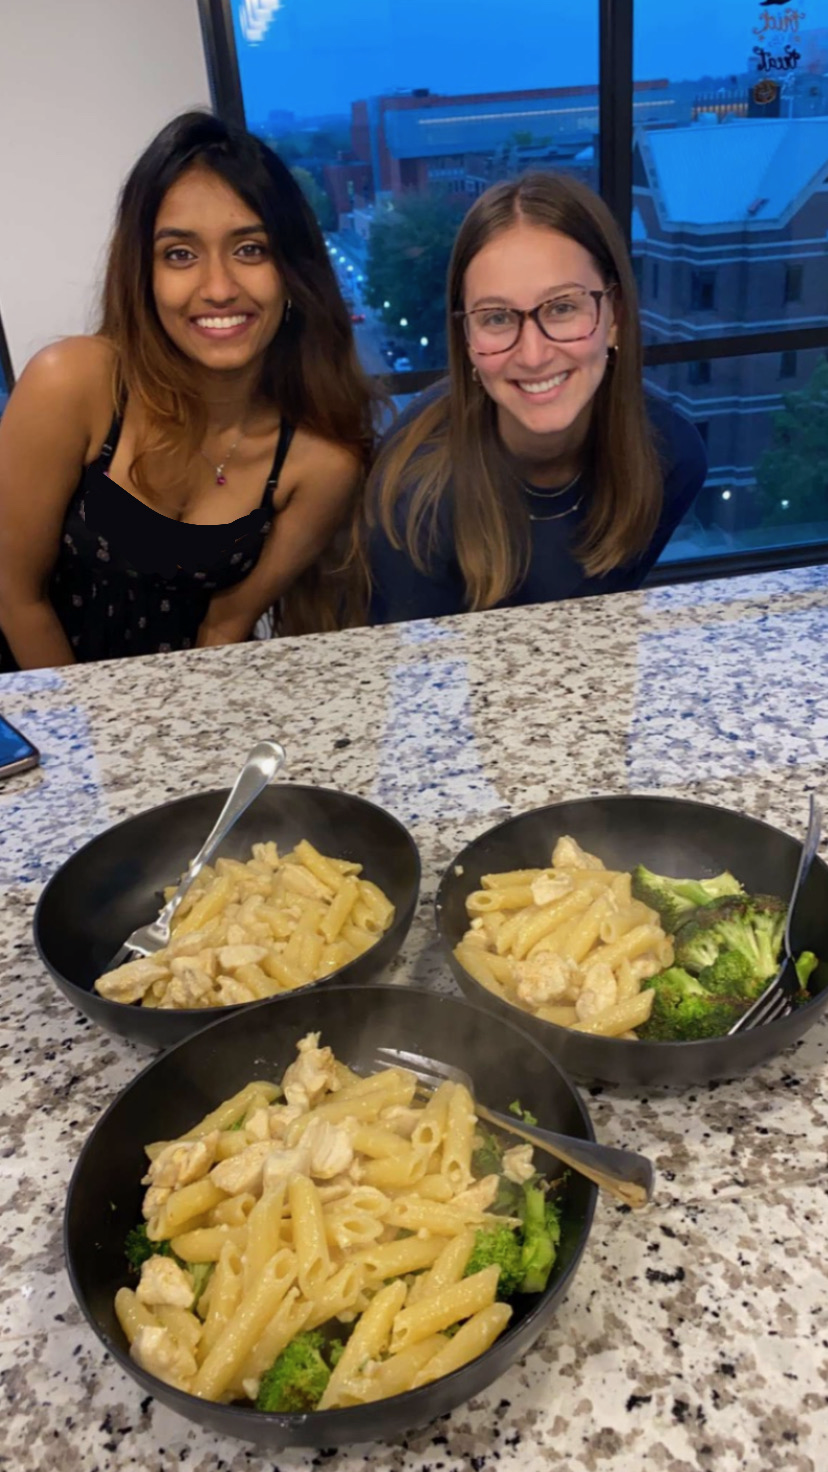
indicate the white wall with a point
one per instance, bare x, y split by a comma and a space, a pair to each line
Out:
84, 86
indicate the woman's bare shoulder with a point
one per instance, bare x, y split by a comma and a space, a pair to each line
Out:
312, 453
77, 366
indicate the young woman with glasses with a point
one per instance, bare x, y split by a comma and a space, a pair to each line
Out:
167, 480
540, 469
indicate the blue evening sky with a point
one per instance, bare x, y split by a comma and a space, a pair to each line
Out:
316, 56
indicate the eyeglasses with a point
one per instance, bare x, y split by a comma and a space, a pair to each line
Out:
569, 317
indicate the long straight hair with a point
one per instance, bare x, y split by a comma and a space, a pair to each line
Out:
310, 373
456, 440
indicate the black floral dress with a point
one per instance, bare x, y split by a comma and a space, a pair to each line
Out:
129, 580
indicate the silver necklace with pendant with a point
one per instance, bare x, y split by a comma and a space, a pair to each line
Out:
561, 491
218, 470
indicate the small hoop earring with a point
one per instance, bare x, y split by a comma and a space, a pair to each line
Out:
612, 352
475, 375
288, 305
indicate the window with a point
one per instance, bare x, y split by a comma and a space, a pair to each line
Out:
655, 281
699, 373
729, 181
703, 291
767, 456
393, 136
787, 365
6, 379
793, 284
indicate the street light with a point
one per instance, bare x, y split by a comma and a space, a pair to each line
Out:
423, 342
386, 306
403, 321
725, 495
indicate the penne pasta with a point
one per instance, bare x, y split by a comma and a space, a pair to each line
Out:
356, 1213
246, 931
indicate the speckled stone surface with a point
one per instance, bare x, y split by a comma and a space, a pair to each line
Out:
695, 1335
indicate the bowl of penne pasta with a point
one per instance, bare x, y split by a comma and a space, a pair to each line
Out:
629, 932
287, 1241
310, 886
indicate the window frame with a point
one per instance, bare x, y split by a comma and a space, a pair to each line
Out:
615, 172
6, 369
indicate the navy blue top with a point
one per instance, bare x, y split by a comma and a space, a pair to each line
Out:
400, 591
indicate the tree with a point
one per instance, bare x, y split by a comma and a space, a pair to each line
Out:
408, 256
794, 469
317, 198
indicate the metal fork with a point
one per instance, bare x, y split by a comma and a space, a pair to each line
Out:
622, 1173
777, 1000
264, 761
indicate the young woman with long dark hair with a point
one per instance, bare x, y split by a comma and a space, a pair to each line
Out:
167, 480
540, 469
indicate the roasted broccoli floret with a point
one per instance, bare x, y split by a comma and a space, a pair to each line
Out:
298, 1377
806, 964
750, 925
499, 1246
541, 1235
487, 1159
730, 975
683, 1010
138, 1247
675, 899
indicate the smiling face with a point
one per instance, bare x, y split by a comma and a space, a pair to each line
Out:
217, 291
543, 389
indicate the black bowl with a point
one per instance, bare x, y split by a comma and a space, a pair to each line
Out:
670, 836
258, 1041
115, 882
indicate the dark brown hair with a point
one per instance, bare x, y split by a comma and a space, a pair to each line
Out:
456, 437
311, 373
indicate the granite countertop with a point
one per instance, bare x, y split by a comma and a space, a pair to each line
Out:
695, 1334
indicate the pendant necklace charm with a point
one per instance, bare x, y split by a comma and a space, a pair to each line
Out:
221, 478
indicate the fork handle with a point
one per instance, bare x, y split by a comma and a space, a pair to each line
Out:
621, 1173
264, 761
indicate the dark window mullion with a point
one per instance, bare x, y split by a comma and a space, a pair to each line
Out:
222, 61
6, 371
616, 108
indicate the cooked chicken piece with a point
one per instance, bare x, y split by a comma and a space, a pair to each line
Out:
643, 967
130, 982
479, 1196
154, 1200
517, 1164
181, 1162
163, 1281
330, 1147
231, 991
229, 957
547, 977
567, 854
157, 1352
312, 1075
600, 991
257, 1125
190, 945
285, 1165
242, 1172
190, 987
402, 1120
546, 889
282, 1117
